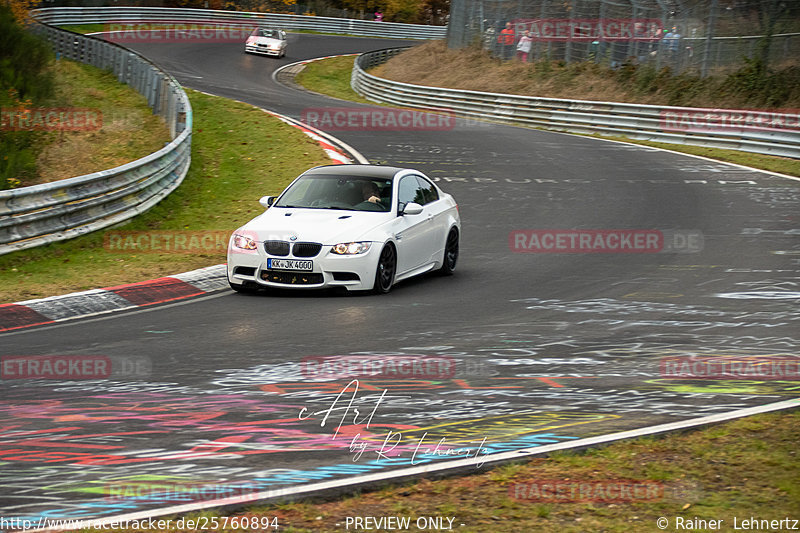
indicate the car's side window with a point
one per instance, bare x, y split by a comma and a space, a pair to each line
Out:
428, 191
408, 191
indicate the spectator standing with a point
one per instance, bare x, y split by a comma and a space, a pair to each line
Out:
378, 16
488, 38
506, 41
524, 47
672, 42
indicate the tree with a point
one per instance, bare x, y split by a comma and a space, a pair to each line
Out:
25, 79
21, 8
24, 60
769, 17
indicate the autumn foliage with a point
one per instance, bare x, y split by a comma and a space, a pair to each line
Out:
25, 81
20, 8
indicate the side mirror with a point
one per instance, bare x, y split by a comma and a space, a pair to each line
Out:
267, 201
412, 208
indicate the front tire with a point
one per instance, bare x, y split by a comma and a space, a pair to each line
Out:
385, 271
450, 253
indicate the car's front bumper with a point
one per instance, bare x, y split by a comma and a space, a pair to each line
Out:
352, 272
254, 49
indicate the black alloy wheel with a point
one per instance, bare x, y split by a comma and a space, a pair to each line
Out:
384, 274
450, 253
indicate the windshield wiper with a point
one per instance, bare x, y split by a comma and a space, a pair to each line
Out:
316, 207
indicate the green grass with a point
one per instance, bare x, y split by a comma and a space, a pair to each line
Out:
85, 28
239, 153
332, 77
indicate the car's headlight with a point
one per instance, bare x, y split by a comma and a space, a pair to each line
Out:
244, 243
351, 248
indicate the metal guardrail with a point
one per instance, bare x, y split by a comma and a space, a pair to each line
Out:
40, 214
138, 15
750, 131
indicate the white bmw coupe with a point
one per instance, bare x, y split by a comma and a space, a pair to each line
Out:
360, 227
266, 41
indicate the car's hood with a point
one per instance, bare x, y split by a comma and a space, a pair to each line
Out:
315, 225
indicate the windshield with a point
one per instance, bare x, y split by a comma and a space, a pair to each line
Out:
273, 34
339, 192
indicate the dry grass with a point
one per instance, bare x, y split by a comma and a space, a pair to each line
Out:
129, 128
475, 70
433, 64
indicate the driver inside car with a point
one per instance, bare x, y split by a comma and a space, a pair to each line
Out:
370, 192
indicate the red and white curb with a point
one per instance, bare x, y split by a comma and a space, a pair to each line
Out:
93, 302
334, 148
337, 150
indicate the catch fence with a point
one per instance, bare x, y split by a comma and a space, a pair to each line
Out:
686, 35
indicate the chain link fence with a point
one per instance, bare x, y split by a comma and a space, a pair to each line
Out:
700, 36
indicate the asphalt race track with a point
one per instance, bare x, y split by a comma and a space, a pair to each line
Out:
517, 350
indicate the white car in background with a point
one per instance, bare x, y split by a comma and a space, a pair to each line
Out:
359, 227
266, 41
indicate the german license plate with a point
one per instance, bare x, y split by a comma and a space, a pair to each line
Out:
290, 264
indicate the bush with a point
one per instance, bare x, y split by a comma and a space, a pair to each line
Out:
25, 80
19, 159
762, 87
